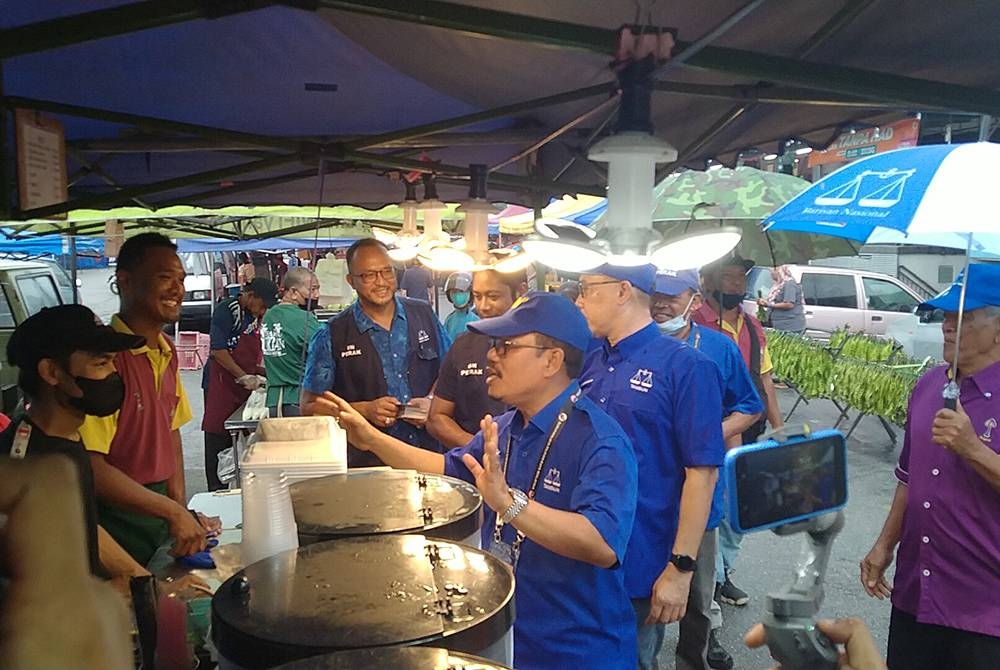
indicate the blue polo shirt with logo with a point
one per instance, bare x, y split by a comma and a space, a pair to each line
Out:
569, 613
667, 397
738, 394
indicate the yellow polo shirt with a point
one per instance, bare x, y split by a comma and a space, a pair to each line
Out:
765, 356
97, 432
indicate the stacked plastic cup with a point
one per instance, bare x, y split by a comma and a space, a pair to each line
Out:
268, 520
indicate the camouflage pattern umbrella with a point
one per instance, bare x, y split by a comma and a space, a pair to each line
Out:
694, 201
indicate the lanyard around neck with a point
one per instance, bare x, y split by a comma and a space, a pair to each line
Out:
561, 420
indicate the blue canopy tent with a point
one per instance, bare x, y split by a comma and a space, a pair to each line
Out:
330, 101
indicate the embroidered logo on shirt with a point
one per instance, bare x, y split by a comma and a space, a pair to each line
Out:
990, 424
351, 350
422, 336
642, 380
552, 481
471, 369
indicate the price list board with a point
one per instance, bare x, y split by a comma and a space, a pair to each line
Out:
41, 161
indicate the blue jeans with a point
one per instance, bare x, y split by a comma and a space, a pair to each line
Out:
728, 550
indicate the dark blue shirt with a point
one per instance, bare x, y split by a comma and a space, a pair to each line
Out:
668, 398
392, 347
570, 614
738, 393
229, 322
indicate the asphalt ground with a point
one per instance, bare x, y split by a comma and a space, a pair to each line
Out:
766, 561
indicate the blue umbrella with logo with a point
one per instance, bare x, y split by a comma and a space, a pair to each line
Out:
946, 190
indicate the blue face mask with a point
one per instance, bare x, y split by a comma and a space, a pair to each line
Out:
677, 323
460, 300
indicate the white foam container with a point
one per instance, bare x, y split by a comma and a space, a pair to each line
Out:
297, 447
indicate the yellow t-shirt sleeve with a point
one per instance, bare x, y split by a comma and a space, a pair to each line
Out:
98, 431
765, 362
183, 413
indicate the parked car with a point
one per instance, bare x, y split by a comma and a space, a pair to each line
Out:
862, 301
25, 288
200, 294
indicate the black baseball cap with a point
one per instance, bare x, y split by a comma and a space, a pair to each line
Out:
263, 288
56, 332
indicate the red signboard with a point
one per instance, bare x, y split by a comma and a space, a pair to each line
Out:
861, 143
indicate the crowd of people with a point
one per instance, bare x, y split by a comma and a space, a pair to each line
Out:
593, 426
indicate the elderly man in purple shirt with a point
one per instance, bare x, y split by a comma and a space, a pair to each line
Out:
945, 515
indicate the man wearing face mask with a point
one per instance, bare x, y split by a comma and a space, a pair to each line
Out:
725, 284
65, 362
676, 295
284, 333
234, 366
457, 289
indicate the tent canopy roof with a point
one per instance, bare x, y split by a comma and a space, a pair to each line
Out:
291, 85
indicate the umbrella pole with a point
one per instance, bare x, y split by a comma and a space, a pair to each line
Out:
951, 391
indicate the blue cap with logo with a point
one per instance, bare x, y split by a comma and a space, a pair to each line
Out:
640, 276
983, 290
675, 282
539, 312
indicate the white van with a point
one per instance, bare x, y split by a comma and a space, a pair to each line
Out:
836, 298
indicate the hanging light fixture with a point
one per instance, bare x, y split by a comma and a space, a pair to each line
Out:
409, 236
632, 153
472, 252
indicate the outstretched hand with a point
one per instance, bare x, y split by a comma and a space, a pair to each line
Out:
859, 649
360, 431
489, 477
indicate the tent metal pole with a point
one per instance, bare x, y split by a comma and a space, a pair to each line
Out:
152, 123
499, 178
126, 194
6, 187
479, 117
848, 13
906, 91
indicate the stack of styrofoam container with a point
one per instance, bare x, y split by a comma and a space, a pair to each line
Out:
297, 447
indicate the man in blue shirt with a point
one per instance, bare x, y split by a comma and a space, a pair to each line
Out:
668, 399
561, 476
675, 296
382, 354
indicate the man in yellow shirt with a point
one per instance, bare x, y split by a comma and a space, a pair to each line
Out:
724, 284
136, 452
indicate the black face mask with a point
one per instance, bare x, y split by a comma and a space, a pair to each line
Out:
727, 301
101, 397
308, 306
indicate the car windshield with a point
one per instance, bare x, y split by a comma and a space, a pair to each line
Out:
196, 263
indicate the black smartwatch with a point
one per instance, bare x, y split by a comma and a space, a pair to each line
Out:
683, 562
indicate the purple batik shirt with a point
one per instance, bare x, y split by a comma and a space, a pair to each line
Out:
948, 566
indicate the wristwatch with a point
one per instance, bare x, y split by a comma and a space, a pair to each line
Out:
683, 562
516, 507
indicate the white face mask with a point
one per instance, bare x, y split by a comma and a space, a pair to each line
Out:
676, 324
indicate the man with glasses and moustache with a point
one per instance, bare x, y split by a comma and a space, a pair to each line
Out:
382, 353
558, 477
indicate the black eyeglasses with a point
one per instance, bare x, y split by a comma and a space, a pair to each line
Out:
586, 286
503, 346
369, 277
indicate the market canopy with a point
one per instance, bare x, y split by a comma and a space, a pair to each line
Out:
219, 103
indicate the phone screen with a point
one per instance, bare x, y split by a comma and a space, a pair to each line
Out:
785, 482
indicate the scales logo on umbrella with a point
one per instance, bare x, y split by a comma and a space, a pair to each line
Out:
884, 191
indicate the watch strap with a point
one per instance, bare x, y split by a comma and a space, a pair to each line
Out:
683, 562
516, 507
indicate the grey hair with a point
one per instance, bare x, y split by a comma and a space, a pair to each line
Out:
298, 277
991, 311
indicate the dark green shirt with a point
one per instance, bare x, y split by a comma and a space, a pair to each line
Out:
284, 333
